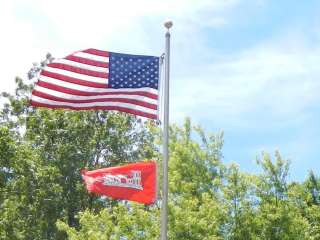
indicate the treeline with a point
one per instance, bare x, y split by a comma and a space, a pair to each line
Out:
42, 195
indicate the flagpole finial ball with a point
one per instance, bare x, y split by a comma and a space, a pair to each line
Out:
168, 24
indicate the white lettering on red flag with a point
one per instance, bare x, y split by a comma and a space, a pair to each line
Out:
134, 182
126, 181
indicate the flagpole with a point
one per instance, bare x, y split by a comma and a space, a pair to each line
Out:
164, 205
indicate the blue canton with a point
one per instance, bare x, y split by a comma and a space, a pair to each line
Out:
133, 71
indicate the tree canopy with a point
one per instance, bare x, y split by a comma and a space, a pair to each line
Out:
42, 195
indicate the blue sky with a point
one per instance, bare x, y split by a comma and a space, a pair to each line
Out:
247, 67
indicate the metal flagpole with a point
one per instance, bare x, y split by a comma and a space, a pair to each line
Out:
164, 205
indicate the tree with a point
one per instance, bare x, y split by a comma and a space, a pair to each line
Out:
306, 197
123, 221
238, 194
194, 209
42, 195
278, 218
42, 152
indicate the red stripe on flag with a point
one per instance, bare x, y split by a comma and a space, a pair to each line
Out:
115, 108
87, 61
79, 70
73, 80
121, 100
96, 52
84, 93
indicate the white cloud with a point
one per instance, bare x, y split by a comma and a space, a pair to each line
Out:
33, 27
232, 86
267, 86
18, 47
273, 78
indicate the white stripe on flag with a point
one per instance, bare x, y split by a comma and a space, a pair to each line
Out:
76, 75
81, 65
76, 97
92, 89
91, 56
101, 104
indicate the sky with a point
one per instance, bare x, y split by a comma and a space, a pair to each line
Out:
249, 68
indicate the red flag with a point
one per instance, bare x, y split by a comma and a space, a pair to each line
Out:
135, 182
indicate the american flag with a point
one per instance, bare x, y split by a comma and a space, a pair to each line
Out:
94, 79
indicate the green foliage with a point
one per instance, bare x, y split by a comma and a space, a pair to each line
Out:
195, 176
130, 221
238, 192
278, 217
194, 209
42, 152
42, 195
